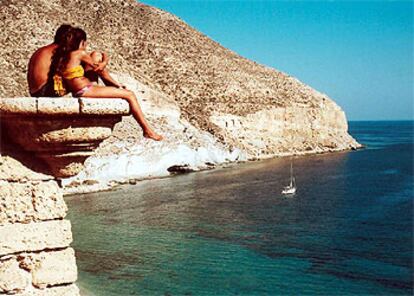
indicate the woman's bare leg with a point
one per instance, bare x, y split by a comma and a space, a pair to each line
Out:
97, 91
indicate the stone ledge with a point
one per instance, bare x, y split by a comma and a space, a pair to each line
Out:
34, 236
53, 106
18, 105
104, 106
63, 106
61, 132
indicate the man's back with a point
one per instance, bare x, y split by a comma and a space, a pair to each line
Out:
39, 66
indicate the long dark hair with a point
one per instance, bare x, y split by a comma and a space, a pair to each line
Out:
70, 42
61, 33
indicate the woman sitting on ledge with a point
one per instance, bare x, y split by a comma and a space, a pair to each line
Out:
67, 62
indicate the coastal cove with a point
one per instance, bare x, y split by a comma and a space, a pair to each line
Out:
229, 231
166, 177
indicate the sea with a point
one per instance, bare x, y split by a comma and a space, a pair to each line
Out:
348, 230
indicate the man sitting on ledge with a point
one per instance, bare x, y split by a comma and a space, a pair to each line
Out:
41, 85
65, 61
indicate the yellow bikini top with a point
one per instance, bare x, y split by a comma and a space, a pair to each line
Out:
74, 72
71, 73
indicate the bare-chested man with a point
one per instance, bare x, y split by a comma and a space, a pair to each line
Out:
38, 78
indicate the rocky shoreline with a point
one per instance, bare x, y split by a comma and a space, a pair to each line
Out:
126, 155
78, 186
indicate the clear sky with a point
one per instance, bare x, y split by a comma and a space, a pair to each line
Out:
360, 53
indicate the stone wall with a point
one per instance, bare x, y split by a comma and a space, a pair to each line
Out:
35, 256
41, 137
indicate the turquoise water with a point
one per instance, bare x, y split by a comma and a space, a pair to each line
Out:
347, 231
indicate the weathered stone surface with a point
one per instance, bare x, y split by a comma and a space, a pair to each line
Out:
67, 290
50, 268
48, 201
104, 106
34, 236
18, 106
15, 202
13, 279
15, 171
31, 201
63, 106
57, 106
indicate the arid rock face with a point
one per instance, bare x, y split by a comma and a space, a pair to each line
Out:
211, 85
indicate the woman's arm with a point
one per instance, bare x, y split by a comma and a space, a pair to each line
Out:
108, 80
103, 60
86, 58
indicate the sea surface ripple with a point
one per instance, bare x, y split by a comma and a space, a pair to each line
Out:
229, 231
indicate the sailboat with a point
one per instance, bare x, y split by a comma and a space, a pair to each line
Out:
291, 188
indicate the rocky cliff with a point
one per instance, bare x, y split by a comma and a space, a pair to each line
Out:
211, 103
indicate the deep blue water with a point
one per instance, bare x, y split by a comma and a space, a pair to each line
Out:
347, 231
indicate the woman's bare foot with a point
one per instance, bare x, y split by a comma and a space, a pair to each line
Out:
152, 135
